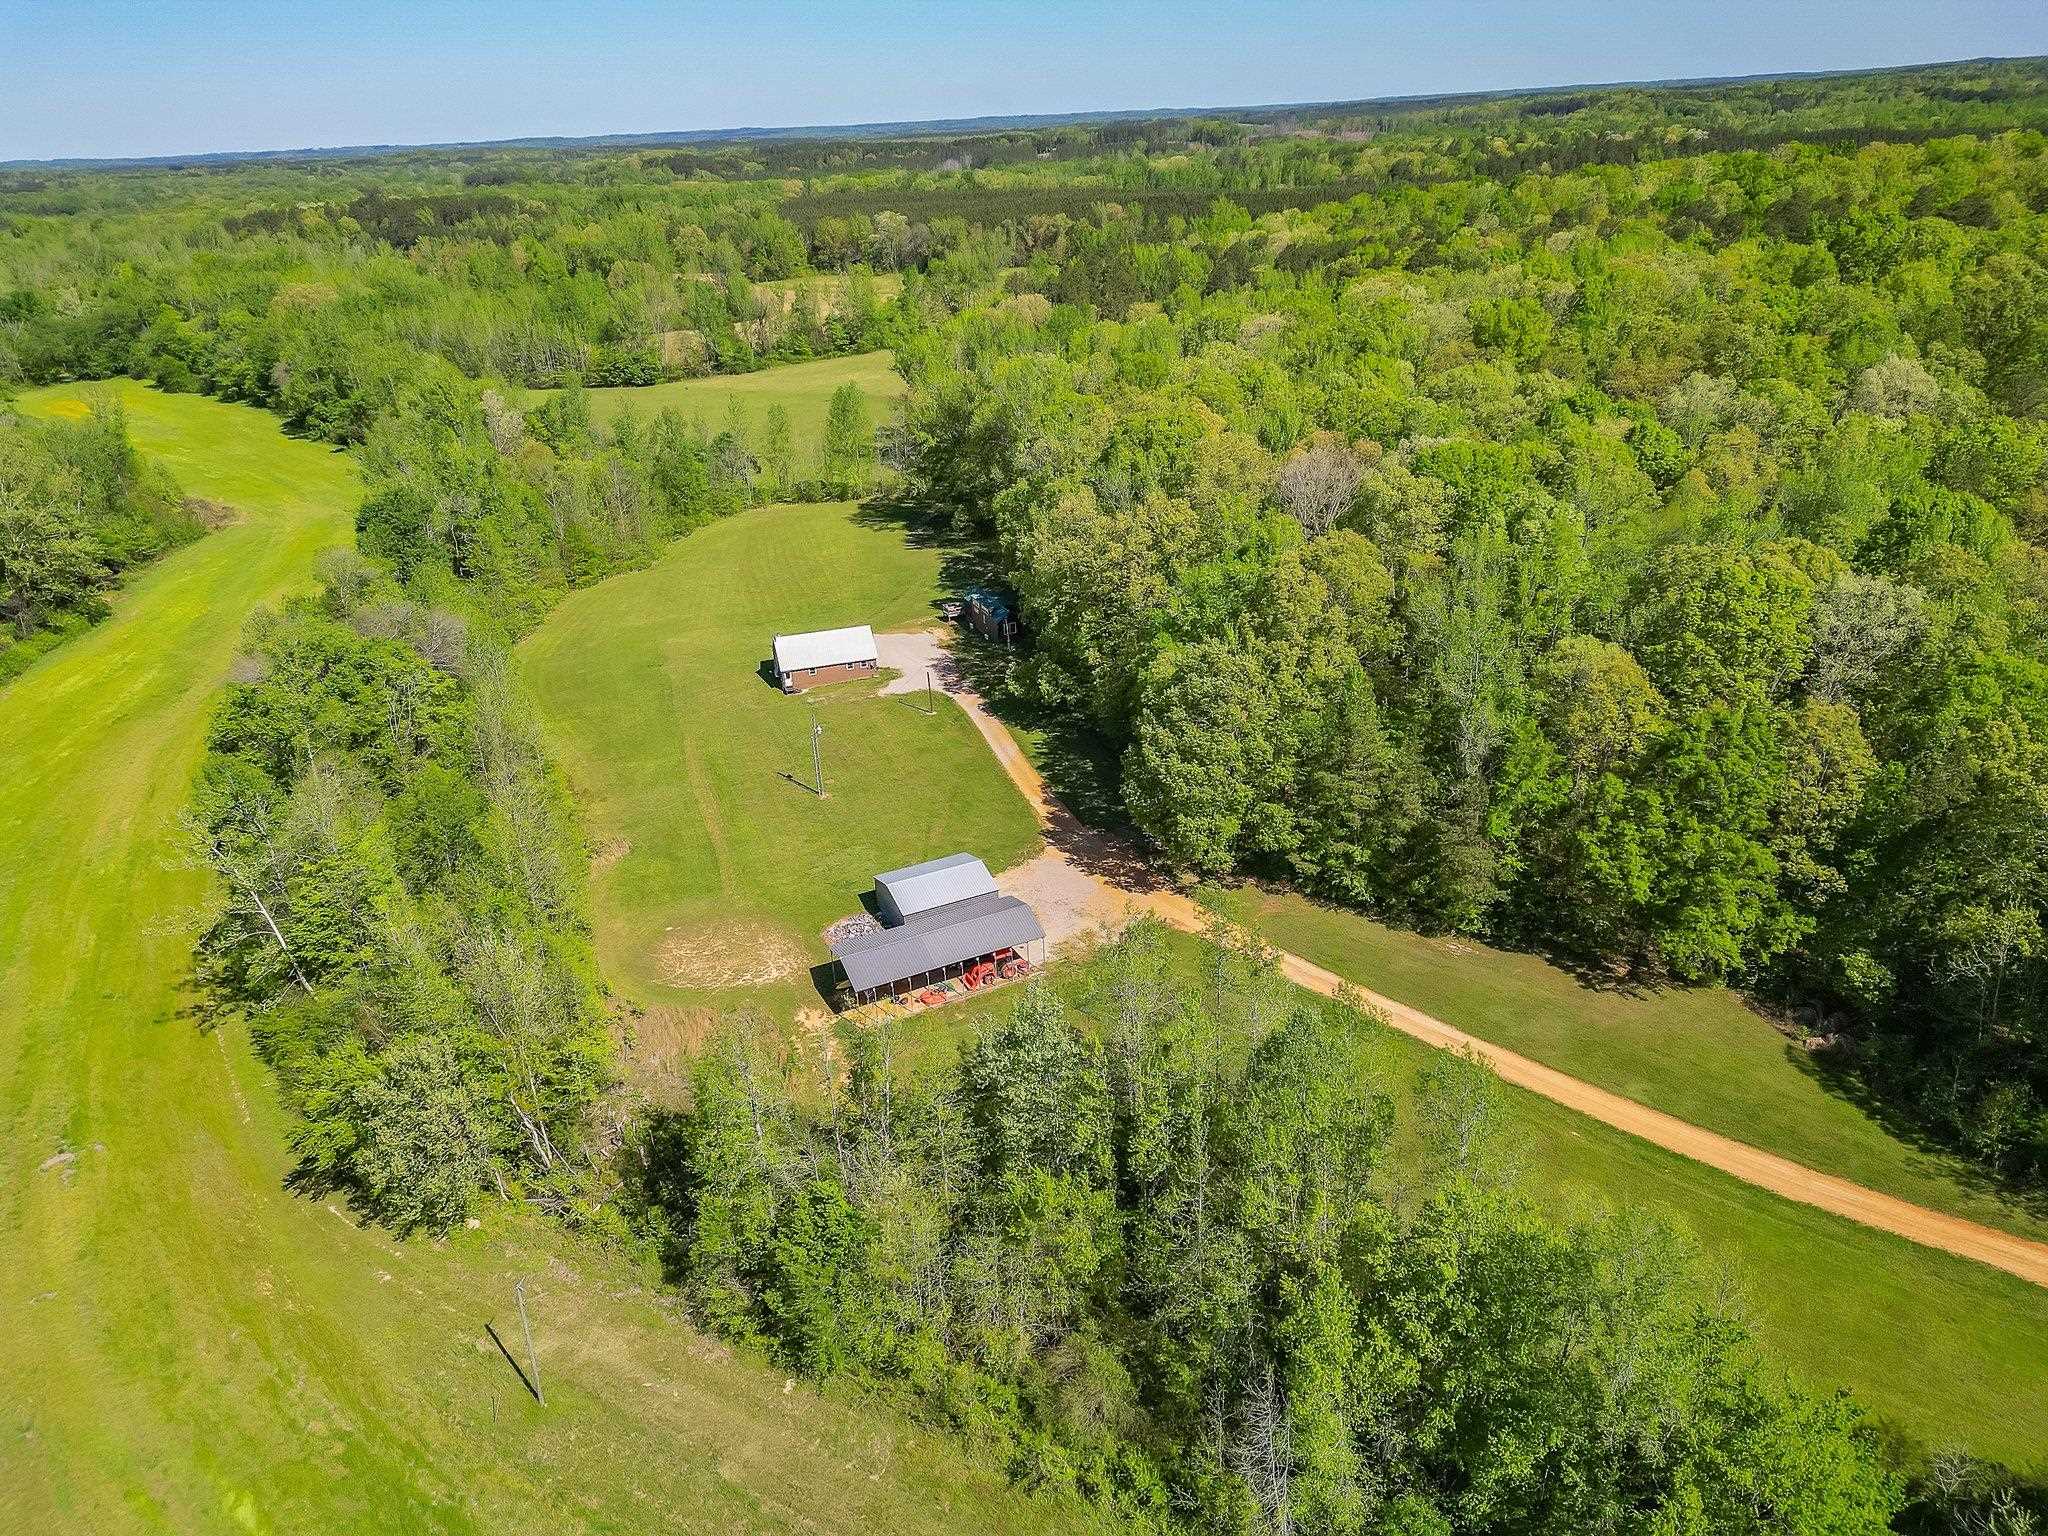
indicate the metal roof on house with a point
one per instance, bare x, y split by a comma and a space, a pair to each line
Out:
931, 941
825, 648
989, 601
935, 883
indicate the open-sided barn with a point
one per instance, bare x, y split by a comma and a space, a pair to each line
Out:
942, 916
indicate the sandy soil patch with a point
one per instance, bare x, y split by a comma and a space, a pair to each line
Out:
1070, 903
726, 953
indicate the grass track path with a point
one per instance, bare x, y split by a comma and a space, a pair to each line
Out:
190, 1347
1098, 855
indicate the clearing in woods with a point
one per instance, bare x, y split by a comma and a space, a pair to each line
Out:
802, 389
192, 1347
688, 759
1949, 1350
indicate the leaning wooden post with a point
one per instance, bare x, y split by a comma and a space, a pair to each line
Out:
532, 1360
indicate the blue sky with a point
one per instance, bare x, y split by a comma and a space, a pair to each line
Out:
184, 76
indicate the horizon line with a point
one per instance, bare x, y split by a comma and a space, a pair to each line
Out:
916, 127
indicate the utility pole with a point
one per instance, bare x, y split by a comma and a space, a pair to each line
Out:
532, 1361
930, 705
817, 760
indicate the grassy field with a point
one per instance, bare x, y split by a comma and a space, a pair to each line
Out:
1949, 1352
829, 288
712, 866
1700, 1053
802, 389
192, 1348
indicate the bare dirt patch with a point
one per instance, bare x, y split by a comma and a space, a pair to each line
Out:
1070, 903
727, 952
211, 515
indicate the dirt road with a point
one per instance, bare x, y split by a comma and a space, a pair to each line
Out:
1125, 883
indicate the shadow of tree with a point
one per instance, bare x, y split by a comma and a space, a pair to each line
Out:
963, 561
658, 1186
1842, 1072
1838, 1070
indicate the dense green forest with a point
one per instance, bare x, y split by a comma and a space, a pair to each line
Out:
1606, 521
1640, 561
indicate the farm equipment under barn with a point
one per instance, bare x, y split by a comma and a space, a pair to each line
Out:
1006, 963
936, 930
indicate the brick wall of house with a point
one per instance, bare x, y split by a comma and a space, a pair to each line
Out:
800, 678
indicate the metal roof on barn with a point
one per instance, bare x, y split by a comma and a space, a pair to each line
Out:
935, 883
933, 940
825, 648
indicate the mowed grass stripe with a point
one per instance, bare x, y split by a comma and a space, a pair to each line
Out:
193, 1348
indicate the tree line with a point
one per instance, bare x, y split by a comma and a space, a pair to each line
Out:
1157, 1249
402, 919
1637, 556
325, 312
1639, 561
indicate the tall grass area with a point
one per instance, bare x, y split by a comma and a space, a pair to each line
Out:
194, 1347
716, 866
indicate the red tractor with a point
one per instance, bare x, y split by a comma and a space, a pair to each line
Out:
1006, 963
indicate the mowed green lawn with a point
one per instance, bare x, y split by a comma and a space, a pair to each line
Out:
715, 869
1699, 1053
191, 1347
804, 390
1949, 1352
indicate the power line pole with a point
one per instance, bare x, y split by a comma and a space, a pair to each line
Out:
930, 705
532, 1360
817, 760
